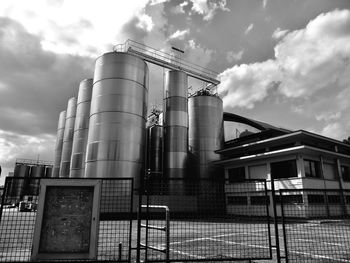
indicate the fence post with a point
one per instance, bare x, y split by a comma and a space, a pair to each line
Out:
278, 254
284, 228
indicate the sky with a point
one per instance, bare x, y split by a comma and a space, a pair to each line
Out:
284, 62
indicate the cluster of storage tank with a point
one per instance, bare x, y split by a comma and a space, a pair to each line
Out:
24, 177
103, 133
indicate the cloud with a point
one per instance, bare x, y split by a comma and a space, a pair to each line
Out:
18, 146
279, 33
179, 34
336, 130
312, 60
157, 2
56, 22
232, 56
244, 85
36, 86
145, 22
208, 8
179, 9
264, 4
198, 53
249, 28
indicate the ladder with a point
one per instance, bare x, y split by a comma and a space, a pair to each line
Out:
165, 228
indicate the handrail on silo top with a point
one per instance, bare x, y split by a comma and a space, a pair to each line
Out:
165, 228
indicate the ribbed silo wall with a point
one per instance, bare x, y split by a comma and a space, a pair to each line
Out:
59, 143
68, 137
81, 129
175, 126
117, 128
205, 137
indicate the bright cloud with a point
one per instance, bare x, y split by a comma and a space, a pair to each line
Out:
85, 24
208, 8
249, 28
310, 61
306, 61
279, 33
179, 34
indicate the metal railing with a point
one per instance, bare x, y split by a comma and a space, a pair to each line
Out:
165, 228
167, 60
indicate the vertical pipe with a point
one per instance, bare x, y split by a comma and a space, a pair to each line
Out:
68, 137
59, 143
81, 127
175, 130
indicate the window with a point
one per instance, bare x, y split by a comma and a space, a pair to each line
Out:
330, 171
285, 169
259, 200
290, 199
333, 199
315, 199
237, 200
312, 168
347, 199
236, 175
345, 173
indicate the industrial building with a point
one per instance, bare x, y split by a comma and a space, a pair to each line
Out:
104, 133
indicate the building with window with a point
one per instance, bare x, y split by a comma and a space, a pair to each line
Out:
313, 170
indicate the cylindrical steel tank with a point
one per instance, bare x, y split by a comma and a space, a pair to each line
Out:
59, 143
155, 150
37, 171
68, 137
18, 185
205, 133
81, 128
175, 126
48, 171
117, 128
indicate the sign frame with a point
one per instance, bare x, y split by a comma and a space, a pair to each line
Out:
88, 183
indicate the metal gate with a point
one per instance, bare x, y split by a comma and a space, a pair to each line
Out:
208, 221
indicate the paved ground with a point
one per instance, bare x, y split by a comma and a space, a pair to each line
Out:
195, 240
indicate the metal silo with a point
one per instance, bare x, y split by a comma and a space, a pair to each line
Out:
205, 132
175, 125
155, 150
81, 128
68, 137
59, 143
205, 137
117, 128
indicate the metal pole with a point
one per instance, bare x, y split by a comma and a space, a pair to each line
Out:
268, 217
284, 229
275, 220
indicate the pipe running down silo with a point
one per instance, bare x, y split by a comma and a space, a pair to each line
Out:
68, 137
81, 128
175, 114
117, 128
59, 144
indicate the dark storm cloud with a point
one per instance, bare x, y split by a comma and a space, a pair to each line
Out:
34, 84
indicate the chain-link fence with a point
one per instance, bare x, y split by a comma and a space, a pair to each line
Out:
316, 225
19, 209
